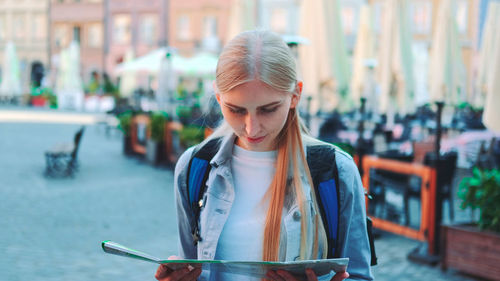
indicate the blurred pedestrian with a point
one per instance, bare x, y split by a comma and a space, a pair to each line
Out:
259, 203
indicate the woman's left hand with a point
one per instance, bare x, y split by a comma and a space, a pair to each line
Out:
282, 275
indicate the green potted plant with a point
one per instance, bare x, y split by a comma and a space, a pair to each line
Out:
125, 121
155, 146
51, 98
37, 98
475, 248
191, 135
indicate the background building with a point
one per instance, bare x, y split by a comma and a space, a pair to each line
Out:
133, 25
107, 29
198, 24
26, 24
83, 22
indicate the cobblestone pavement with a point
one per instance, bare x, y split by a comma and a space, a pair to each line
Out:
51, 229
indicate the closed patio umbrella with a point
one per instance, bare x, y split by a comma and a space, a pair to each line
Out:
395, 72
339, 62
166, 84
322, 63
128, 81
10, 85
486, 50
491, 114
446, 68
69, 87
364, 52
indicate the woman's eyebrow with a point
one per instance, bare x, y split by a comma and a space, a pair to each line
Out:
271, 104
262, 106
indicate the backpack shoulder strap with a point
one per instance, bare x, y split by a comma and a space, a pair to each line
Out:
197, 175
324, 173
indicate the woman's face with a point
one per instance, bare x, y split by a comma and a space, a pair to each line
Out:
257, 113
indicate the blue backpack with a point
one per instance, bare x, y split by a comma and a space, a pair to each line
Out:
324, 173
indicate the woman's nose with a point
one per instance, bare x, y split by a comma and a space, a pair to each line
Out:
252, 125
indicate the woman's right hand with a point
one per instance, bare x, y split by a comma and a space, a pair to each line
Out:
164, 273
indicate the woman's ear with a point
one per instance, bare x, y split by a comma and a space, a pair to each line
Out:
217, 96
216, 91
299, 87
296, 95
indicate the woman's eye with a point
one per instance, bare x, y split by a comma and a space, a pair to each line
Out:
237, 111
269, 110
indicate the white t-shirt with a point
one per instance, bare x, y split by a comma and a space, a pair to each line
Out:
242, 235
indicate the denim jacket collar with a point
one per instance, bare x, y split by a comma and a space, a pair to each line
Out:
225, 151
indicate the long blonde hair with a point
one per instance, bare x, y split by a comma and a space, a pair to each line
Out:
264, 56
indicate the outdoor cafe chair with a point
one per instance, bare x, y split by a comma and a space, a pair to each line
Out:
62, 159
381, 180
444, 184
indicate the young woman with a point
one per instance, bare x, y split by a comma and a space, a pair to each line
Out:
259, 203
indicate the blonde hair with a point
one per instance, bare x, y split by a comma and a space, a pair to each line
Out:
264, 56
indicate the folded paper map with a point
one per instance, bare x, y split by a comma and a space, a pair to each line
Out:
249, 268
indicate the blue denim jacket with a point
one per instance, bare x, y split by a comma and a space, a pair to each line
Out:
219, 196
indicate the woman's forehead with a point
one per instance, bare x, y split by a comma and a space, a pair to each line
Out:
254, 92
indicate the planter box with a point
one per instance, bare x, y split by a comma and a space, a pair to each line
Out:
38, 101
139, 133
471, 251
173, 147
127, 145
155, 152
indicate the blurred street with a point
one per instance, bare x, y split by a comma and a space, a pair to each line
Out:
52, 228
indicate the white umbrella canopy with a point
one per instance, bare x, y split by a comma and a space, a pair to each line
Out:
491, 114
242, 16
487, 47
10, 85
447, 74
320, 24
364, 52
395, 73
149, 63
200, 65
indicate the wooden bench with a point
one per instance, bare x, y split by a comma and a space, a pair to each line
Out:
62, 159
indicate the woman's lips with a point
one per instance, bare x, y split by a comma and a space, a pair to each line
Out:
255, 140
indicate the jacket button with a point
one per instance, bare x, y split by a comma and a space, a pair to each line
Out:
296, 216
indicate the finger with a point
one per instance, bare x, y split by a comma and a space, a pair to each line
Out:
311, 275
178, 274
192, 275
340, 276
162, 272
272, 275
286, 275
